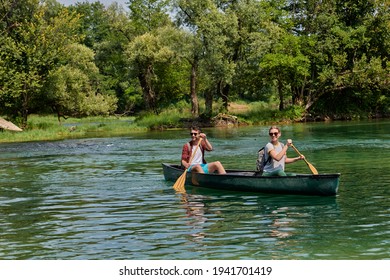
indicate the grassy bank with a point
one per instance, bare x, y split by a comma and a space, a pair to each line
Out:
45, 128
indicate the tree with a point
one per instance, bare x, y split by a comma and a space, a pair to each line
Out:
345, 41
109, 31
149, 52
148, 17
73, 88
31, 45
186, 17
94, 22
288, 67
214, 32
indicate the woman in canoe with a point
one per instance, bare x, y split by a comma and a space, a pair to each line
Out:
198, 163
275, 154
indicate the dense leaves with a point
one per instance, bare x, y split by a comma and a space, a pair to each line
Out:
329, 58
38, 74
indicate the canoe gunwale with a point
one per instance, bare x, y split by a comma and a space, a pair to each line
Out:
244, 180
245, 173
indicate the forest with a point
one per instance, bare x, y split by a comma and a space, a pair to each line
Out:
325, 59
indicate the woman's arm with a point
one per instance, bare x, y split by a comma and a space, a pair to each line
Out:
291, 160
278, 156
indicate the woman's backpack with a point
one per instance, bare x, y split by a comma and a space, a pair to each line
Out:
261, 162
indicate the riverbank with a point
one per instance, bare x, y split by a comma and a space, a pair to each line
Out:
48, 128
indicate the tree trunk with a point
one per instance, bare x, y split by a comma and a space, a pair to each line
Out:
25, 103
297, 97
194, 96
298, 93
225, 96
281, 98
208, 102
145, 79
223, 91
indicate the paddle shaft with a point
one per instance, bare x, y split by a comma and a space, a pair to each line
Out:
193, 154
298, 152
312, 168
180, 182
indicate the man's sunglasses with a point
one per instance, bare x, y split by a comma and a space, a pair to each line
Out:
273, 133
191, 133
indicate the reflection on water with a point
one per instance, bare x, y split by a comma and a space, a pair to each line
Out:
265, 224
105, 198
195, 212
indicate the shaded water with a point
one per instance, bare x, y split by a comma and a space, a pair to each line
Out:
106, 198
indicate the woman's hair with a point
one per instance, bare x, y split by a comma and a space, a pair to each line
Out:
274, 127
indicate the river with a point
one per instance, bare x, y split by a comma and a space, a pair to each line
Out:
106, 198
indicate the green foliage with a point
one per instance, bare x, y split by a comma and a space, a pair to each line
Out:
168, 119
149, 15
94, 22
73, 88
46, 127
292, 113
31, 47
152, 56
259, 113
112, 62
328, 58
266, 112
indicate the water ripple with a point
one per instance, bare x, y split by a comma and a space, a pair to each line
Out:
107, 199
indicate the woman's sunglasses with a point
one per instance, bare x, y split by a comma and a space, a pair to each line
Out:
273, 133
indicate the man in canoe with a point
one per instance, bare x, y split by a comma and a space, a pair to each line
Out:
275, 154
192, 156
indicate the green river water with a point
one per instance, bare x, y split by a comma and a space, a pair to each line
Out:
106, 198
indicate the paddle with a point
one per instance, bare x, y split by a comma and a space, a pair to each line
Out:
312, 168
179, 185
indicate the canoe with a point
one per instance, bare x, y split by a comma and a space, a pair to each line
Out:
247, 181
8, 125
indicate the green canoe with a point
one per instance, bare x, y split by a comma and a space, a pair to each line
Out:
241, 180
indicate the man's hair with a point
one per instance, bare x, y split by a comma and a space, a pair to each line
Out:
195, 127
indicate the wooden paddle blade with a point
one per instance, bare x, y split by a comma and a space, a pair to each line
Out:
312, 168
180, 182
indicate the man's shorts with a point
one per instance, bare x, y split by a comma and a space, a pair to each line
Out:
204, 166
